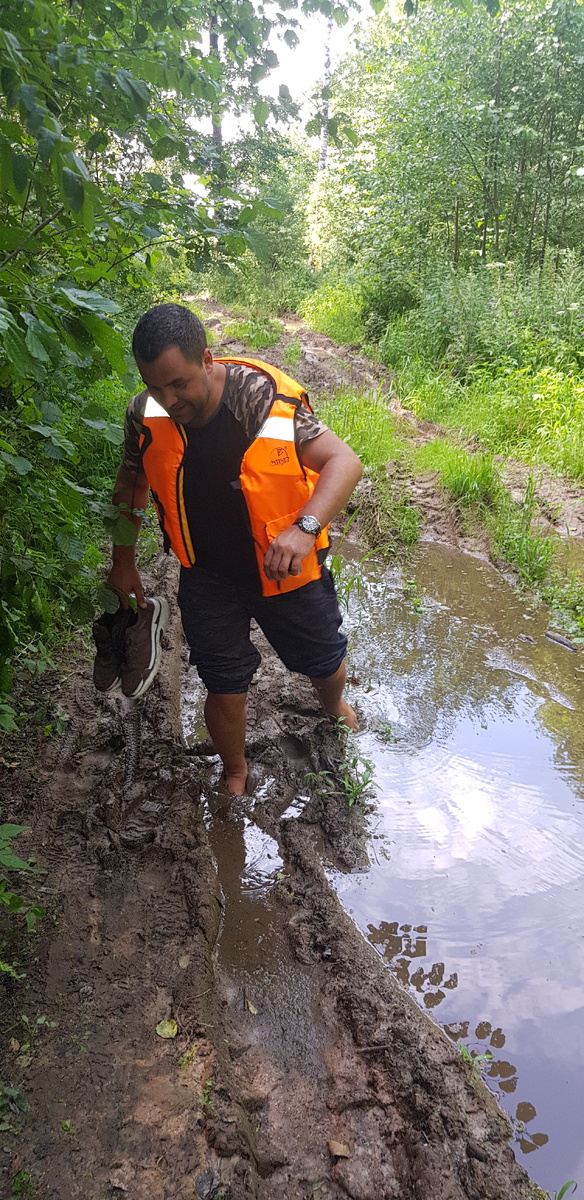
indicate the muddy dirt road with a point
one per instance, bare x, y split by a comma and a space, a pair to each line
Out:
299, 1067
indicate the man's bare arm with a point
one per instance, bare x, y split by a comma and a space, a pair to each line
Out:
131, 492
339, 471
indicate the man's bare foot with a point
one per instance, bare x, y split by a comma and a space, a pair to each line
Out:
347, 715
234, 782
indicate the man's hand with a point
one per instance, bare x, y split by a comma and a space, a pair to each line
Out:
124, 579
287, 553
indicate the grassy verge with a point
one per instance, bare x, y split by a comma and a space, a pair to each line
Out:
473, 483
536, 417
255, 332
388, 519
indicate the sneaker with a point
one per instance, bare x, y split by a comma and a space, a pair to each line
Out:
109, 632
143, 647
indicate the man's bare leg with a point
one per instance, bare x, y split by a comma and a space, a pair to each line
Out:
225, 720
330, 694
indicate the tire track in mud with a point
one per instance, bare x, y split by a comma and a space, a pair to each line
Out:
289, 1038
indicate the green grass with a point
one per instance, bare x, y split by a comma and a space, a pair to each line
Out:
538, 418
293, 354
365, 422
255, 332
335, 309
529, 553
470, 479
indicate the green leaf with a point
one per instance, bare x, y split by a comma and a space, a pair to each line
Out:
165, 147
106, 598
123, 531
377, 5
35, 346
73, 189
167, 1029
291, 39
20, 173
70, 545
93, 301
261, 111
97, 141
12, 862
21, 465
9, 831
350, 135
108, 339
157, 183
81, 609
16, 350
51, 412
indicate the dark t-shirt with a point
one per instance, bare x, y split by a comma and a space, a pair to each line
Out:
215, 506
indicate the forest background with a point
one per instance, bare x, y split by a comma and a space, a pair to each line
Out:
430, 211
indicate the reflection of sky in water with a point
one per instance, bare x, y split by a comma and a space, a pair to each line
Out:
479, 831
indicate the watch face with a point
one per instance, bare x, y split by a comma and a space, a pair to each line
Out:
309, 525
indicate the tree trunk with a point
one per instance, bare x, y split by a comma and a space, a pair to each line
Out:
324, 136
217, 131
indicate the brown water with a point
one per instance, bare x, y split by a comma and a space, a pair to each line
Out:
475, 896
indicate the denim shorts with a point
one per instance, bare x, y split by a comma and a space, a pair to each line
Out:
303, 626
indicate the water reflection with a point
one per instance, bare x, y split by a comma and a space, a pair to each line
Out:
401, 945
474, 722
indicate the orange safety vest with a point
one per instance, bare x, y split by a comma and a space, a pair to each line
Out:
275, 485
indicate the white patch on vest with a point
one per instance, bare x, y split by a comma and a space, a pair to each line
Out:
281, 429
153, 409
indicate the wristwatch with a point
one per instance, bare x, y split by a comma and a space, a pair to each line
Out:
309, 525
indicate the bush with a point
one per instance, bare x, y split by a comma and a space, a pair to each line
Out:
257, 289
495, 317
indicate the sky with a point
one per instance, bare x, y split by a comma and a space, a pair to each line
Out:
300, 69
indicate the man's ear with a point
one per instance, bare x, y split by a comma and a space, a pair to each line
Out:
207, 358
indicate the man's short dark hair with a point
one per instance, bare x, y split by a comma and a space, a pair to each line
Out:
169, 325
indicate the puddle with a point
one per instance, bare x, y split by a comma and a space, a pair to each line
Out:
475, 889
473, 721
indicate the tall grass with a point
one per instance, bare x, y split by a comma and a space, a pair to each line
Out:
468, 478
529, 552
255, 333
336, 309
538, 417
497, 316
366, 423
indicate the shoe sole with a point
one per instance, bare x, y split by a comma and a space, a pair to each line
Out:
159, 623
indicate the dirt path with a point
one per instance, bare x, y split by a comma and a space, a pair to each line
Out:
281, 1051
325, 366
300, 1069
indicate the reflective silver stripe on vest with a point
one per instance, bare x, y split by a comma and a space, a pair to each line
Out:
281, 429
153, 409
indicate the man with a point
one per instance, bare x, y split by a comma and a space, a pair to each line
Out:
245, 481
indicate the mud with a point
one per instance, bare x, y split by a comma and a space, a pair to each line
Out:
300, 1067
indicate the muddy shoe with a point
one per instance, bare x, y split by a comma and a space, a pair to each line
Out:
109, 633
143, 647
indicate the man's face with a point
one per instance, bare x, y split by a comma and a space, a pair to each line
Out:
180, 386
